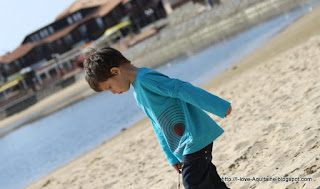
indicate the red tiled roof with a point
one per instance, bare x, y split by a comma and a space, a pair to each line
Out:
19, 52
107, 7
83, 4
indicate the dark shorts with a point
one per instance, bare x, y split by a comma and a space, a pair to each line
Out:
198, 172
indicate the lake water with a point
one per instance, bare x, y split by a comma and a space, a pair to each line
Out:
38, 148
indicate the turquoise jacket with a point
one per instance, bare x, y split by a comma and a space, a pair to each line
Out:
175, 109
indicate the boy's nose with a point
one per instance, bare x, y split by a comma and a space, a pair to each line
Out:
113, 92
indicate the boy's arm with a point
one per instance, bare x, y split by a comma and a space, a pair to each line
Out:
204, 100
175, 88
170, 157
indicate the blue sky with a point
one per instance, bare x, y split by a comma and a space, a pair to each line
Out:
18, 18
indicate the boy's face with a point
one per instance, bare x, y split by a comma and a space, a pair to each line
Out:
117, 84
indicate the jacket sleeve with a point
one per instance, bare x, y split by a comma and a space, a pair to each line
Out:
170, 157
203, 99
175, 88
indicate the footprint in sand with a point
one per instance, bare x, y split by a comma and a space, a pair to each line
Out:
251, 152
270, 128
109, 185
311, 144
241, 145
310, 170
317, 110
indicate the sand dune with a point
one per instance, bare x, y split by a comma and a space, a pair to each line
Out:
272, 132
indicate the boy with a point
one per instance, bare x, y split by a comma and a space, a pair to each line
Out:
185, 132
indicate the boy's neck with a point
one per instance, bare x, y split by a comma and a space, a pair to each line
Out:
130, 71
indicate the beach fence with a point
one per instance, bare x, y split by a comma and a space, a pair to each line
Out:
207, 28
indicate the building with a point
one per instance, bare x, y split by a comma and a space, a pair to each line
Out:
83, 21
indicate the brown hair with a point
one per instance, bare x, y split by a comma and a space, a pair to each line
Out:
98, 64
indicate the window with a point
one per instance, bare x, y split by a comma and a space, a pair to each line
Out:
41, 34
70, 21
83, 29
59, 42
51, 30
77, 16
68, 39
17, 63
44, 33
100, 23
37, 36
6, 67
33, 38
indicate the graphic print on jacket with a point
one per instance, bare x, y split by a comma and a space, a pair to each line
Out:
172, 123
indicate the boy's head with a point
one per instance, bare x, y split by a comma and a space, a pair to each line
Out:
103, 64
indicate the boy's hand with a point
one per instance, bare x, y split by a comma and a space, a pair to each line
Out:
229, 111
178, 167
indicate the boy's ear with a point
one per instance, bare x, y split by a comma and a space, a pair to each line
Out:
115, 71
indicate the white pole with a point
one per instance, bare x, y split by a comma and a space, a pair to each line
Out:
167, 6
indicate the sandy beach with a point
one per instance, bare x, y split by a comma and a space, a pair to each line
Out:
273, 131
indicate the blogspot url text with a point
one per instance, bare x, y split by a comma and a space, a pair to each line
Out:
265, 179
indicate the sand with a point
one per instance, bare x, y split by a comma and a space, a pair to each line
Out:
272, 132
